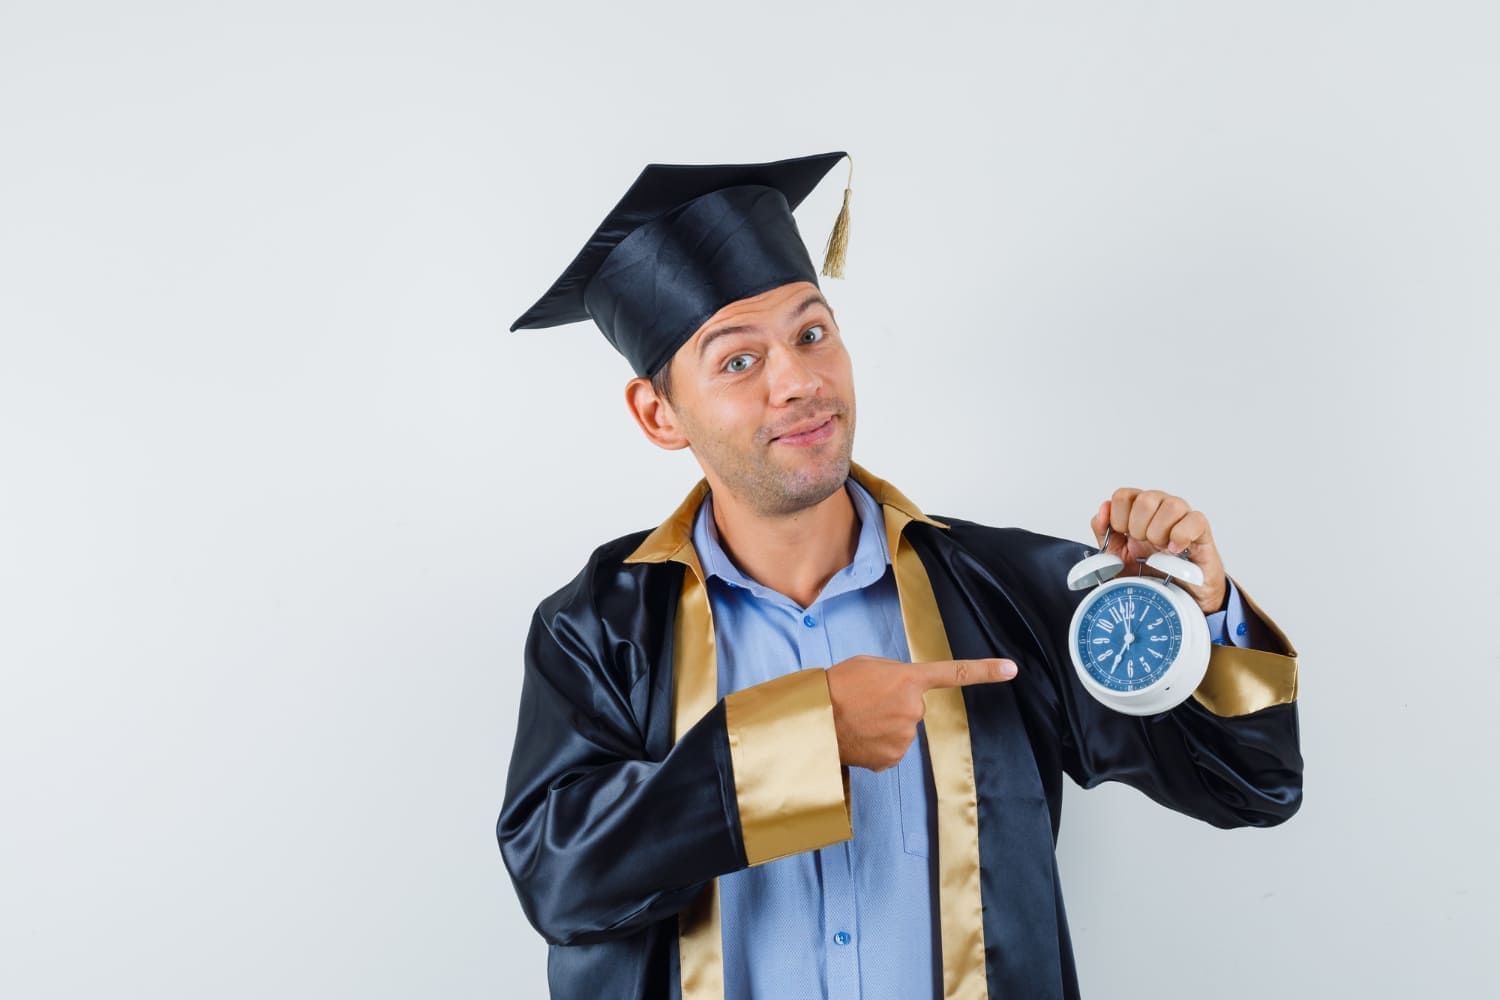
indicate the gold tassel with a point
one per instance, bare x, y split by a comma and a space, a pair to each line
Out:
838, 240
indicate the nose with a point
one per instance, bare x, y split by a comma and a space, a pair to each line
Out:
789, 376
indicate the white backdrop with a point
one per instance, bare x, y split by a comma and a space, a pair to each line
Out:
279, 493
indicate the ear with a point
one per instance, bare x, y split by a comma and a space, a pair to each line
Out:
657, 419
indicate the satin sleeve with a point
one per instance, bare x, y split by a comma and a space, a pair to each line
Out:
600, 839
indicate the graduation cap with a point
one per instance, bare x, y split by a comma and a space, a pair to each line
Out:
684, 241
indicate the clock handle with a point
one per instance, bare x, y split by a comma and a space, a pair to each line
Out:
1183, 569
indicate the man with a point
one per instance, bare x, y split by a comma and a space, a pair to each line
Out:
803, 739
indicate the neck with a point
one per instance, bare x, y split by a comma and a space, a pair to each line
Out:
795, 554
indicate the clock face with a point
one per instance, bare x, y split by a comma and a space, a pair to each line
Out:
1128, 636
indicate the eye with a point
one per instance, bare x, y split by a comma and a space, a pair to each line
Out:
821, 333
729, 367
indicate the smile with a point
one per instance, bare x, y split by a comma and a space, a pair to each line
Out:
822, 432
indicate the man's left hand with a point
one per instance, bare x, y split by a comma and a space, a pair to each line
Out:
1143, 522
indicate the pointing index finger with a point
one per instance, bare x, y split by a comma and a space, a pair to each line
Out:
962, 673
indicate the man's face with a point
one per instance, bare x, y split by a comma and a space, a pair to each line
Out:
758, 371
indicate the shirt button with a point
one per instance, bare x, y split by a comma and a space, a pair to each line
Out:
1240, 629
842, 937
809, 621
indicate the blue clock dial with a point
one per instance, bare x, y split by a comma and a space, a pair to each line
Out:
1128, 636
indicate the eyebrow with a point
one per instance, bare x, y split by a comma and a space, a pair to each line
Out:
815, 298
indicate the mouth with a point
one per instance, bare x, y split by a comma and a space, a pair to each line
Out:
812, 435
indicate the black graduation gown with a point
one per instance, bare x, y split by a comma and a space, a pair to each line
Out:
632, 785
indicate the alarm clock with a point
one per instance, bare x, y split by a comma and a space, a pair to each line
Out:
1140, 644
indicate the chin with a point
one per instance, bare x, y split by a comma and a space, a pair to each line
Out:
814, 472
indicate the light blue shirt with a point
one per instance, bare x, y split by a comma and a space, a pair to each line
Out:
855, 920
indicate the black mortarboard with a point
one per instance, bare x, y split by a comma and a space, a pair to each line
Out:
686, 240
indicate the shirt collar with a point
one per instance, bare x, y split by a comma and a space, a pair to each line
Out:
871, 553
